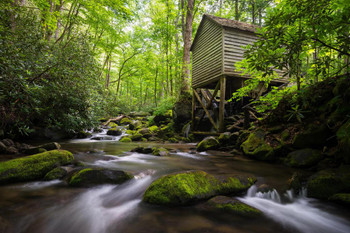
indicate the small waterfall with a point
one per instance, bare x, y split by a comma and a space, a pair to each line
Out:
300, 213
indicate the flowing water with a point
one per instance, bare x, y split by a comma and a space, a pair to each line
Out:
52, 207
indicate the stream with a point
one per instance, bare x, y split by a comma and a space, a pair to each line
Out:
52, 207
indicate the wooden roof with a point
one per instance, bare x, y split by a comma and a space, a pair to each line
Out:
227, 23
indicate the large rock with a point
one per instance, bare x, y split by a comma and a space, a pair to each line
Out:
42, 148
33, 167
182, 111
94, 176
343, 136
341, 198
326, 183
208, 143
114, 131
232, 205
160, 151
56, 173
256, 147
314, 137
304, 158
190, 187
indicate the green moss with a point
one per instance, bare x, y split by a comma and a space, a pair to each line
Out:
325, 184
256, 147
56, 173
188, 188
341, 198
33, 167
125, 139
130, 132
303, 158
154, 129
125, 121
160, 151
208, 143
173, 140
136, 137
239, 209
112, 124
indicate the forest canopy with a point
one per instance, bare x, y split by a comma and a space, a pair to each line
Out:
65, 64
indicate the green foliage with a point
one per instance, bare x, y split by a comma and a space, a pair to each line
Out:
295, 113
165, 105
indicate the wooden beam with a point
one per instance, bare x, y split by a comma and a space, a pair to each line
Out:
193, 110
205, 109
210, 101
222, 104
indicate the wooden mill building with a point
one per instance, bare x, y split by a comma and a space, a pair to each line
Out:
217, 46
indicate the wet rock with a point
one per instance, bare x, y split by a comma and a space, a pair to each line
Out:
256, 147
33, 167
42, 148
190, 187
208, 143
56, 173
143, 150
341, 198
114, 131
232, 205
297, 181
328, 182
303, 158
94, 176
83, 134
125, 121
343, 136
160, 151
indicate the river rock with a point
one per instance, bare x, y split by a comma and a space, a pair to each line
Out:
208, 143
231, 205
33, 167
303, 158
256, 147
114, 131
326, 183
42, 148
143, 150
190, 187
94, 176
56, 173
160, 151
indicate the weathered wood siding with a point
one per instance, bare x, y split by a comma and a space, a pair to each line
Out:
234, 41
207, 55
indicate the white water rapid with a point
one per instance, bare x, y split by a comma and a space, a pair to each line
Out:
299, 213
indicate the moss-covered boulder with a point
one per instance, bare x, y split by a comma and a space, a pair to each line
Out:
33, 167
190, 187
125, 139
154, 129
314, 137
94, 176
343, 136
232, 205
224, 138
208, 143
303, 158
256, 147
160, 151
341, 198
326, 183
56, 173
125, 121
136, 137
114, 131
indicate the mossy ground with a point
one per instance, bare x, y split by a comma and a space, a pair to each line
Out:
33, 167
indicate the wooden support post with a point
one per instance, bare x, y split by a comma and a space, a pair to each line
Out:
193, 111
210, 101
222, 104
205, 109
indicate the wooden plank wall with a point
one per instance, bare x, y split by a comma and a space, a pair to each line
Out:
207, 55
233, 52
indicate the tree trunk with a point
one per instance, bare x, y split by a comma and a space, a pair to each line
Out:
186, 61
155, 87
236, 10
